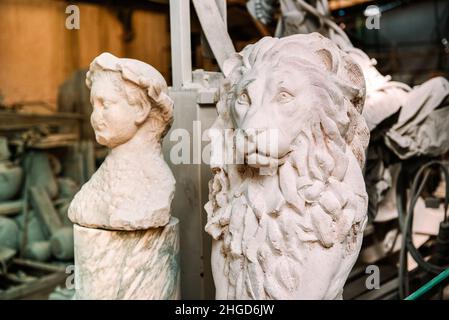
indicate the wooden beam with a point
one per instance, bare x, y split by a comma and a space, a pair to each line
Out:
214, 29
47, 267
11, 120
26, 289
45, 210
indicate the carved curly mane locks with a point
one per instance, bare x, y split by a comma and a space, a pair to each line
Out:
294, 233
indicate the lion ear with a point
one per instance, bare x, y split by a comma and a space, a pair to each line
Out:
353, 74
232, 62
327, 59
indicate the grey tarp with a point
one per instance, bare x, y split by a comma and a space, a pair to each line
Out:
423, 124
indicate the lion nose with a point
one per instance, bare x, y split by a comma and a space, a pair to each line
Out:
252, 134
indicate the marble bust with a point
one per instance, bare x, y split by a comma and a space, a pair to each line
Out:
134, 187
288, 224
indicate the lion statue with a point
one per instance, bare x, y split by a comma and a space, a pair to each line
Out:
288, 224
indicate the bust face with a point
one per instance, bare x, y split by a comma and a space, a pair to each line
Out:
112, 118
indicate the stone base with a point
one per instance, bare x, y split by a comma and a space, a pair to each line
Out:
139, 265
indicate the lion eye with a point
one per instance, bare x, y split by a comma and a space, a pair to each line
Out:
284, 97
243, 98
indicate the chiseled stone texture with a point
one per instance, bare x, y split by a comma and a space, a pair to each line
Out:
288, 222
134, 187
120, 265
128, 192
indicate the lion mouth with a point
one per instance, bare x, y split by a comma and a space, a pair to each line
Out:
258, 159
258, 152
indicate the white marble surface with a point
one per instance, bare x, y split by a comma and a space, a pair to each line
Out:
288, 224
134, 187
141, 264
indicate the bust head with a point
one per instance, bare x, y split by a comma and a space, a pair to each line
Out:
127, 96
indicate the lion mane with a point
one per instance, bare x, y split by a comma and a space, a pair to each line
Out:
267, 229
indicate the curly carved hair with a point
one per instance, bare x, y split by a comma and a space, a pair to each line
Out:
317, 197
345, 82
147, 81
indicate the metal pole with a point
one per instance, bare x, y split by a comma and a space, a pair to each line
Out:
181, 56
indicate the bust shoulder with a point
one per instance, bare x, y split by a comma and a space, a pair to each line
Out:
125, 195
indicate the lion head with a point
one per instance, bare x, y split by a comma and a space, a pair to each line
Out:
273, 232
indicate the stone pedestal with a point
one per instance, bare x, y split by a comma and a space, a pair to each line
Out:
141, 264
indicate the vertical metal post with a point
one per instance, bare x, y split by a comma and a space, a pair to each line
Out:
194, 103
180, 43
221, 4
